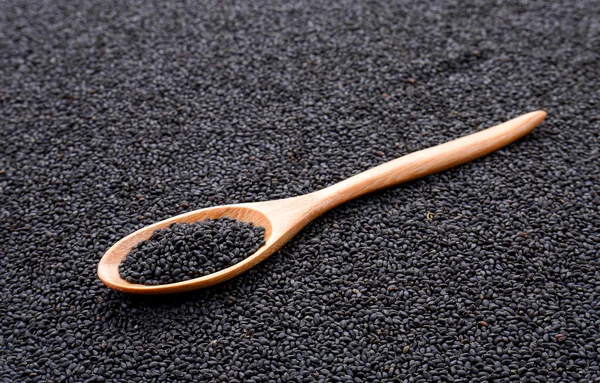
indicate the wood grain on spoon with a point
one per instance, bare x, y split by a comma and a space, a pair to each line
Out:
282, 219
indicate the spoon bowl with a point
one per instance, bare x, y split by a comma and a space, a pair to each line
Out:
283, 218
108, 269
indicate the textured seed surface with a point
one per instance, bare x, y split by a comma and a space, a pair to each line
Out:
185, 251
115, 115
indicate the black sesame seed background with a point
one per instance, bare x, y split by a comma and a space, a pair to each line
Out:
114, 115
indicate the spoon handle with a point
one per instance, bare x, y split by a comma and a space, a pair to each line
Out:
428, 161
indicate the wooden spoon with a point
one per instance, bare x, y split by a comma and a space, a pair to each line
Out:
283, 218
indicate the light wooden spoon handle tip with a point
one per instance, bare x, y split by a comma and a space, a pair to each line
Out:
536, 117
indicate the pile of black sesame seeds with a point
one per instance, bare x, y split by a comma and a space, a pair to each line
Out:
186, 251
118, 115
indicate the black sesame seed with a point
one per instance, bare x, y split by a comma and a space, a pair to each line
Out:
114, 115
